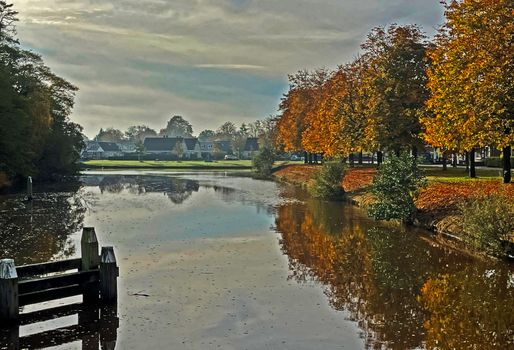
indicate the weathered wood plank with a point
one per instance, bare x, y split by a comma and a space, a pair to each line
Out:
26, 271
40, 284
50, 294
9, 310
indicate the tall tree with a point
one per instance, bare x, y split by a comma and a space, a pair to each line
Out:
36, 136
138, 133
227, 131
396, 84
177, 127
471, 79
207, 135
110, 135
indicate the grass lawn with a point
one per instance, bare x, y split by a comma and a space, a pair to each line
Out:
191, 164
459, 174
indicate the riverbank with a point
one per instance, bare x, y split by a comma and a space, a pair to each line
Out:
241, 164
437, 203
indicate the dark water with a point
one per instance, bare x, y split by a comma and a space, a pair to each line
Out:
238, 263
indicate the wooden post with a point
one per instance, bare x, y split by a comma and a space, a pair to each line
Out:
90, 261
29, 188
109, 273
9, 307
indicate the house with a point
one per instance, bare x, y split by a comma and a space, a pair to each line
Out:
127, 147
168, 146
101, 150
251, 146
215, 149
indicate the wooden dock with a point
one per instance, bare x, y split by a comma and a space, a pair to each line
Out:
95, 278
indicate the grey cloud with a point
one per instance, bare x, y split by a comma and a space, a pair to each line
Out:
210, 60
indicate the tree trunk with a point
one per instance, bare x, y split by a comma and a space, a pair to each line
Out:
315, 158
467, 162
444, 162
472, 169
379, 157
351, 159
454, 160
305, 157
415, 152
507, 166
360, 158
373, 158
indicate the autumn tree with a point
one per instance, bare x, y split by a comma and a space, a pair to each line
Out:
297, 110
471, 79
395, 81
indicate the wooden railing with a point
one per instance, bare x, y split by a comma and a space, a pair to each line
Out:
95, 278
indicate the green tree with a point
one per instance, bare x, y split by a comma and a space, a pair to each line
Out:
110, 135
395, 81
207, 135
263, 162
395, 187
177, 127
36, 136
138, 133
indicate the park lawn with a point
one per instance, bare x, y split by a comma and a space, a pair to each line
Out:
190, 164
459, 174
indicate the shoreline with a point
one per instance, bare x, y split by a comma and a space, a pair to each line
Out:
361, 198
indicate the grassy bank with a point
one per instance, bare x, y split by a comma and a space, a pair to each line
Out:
184, 164
437, 203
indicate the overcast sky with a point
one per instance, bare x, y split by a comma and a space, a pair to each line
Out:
141, 62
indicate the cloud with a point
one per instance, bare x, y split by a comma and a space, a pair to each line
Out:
209, 60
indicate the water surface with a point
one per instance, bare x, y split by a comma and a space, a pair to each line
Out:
215, 261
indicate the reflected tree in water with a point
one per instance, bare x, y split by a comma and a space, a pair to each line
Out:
471, 309
39, 230
376, 271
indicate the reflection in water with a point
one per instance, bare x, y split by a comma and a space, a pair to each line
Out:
96, 328
39, 230
177, 189
403, 290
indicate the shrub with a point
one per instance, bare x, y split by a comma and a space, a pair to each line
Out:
328, 181
487, 222
395, 187
263, 162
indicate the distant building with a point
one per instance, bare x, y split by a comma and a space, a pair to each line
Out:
167, 146
251, 146
127, 147
213, 149
101, 150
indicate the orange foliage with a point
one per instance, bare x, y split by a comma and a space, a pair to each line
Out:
297, 174
358, 178
444, 197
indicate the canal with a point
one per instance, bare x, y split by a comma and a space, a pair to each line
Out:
213, 261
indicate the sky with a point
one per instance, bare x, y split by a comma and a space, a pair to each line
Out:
141, 62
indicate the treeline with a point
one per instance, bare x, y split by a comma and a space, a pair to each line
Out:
177, 126
36, 136
403, 91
